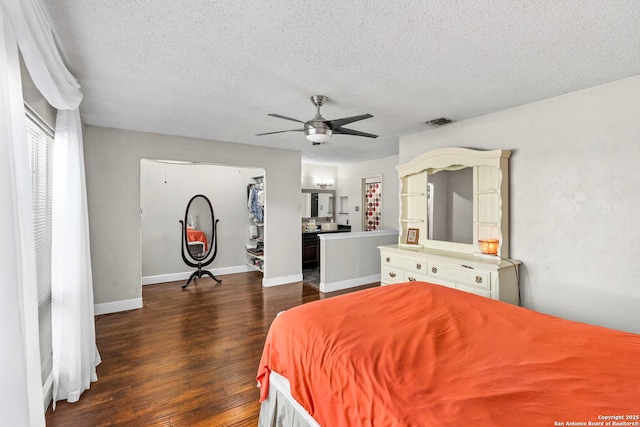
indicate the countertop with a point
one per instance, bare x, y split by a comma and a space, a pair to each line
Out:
341, 229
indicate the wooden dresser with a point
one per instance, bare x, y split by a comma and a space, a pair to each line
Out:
441, 246
488, 277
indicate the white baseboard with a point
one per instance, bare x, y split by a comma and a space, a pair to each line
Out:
275, 281
47, 390
174, 277
116, 306
351, 283
132, 304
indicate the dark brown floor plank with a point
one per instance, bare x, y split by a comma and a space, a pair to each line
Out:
187, 358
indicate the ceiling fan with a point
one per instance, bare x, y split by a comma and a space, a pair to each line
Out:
318, 130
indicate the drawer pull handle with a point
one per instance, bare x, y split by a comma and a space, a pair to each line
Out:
418, 266
392, 274
434, 269
478, 279
388, 259
412, 279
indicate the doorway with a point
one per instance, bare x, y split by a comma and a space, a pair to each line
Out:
165, 190
372, 203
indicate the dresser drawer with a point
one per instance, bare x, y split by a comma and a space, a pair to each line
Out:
447, 272
440, 281
397, 261
412, 277
460, 275
391, 274
418, 266
478, 280
481, 292
408, 263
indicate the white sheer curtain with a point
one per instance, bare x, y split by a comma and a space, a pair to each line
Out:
21, 400
46, 68
75, 355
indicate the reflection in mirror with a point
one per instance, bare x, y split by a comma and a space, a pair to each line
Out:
199, 227
317, 204
450, 205
323, 205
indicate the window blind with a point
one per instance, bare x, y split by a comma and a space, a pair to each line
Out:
40, 139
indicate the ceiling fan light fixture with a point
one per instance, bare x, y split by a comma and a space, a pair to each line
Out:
317, 131
318, 136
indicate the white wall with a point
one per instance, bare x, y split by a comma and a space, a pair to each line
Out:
350, 185
312, 172
165, 190
112, 159
352, 259
575, 197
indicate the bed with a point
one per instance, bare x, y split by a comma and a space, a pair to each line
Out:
418, 354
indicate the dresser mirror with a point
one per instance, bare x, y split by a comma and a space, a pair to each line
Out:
454, 197
317, 204
450, 205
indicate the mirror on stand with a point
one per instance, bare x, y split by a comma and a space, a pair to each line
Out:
199, 242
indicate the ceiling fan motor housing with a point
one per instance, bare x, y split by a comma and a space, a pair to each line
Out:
317, 130
319, 100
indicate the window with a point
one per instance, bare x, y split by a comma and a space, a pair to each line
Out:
40, 140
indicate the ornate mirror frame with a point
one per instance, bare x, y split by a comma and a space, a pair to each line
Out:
490, 196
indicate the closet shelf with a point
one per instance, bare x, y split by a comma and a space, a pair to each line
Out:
255, 267
257, 256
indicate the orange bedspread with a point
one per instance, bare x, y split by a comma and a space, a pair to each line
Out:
197, 236
418, 354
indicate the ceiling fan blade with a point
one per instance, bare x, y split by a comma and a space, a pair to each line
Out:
280, 131
284, 117
344, 131
345, 121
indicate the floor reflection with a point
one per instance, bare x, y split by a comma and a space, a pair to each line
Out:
311, 277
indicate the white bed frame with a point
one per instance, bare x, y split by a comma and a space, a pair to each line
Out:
280, 408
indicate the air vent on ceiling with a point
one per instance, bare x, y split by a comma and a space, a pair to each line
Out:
440, 122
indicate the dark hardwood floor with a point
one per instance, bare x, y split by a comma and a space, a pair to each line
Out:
187, 358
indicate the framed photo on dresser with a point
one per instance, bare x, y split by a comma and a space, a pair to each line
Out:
412, 236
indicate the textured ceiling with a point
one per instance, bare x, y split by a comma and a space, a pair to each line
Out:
214, 69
